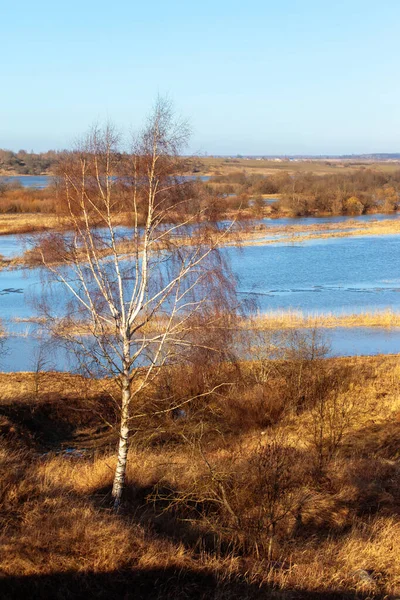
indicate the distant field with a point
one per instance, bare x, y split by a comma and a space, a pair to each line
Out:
212, 166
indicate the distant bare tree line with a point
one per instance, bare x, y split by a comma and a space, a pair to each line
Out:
302, 194
27, 163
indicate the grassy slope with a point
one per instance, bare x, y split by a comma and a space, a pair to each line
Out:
59, 538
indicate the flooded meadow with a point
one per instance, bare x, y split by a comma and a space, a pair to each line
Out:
336, 275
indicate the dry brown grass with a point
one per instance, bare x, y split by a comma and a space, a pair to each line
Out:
296, 319
28, 223
28, 200
343, 537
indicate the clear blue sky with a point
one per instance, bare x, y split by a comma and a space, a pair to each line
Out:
255, 77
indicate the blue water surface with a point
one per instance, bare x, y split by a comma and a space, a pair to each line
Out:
38, 182
336, 275
41, 181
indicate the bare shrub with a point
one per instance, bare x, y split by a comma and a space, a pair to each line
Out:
244, 498
332, 417
302, 366
275, 478
252, 406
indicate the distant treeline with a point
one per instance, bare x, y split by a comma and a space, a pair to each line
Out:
27, 163
302, 194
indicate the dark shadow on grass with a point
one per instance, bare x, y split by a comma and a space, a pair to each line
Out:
151, 584
50, 424
381, 440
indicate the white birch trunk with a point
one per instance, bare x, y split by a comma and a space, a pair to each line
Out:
120, 471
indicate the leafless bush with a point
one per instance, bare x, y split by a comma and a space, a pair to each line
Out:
244, 497
276, 473
332, 417
302, 367
252, 406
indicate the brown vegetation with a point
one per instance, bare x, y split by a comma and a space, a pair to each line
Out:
14, 224
308, 193
284, 483
264, 166
297, 319
16, 199
239, 195
27, 163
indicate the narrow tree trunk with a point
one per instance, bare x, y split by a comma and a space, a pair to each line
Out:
271, 542
120, 471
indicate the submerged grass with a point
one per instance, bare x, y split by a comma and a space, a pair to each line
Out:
267, 321
387, 319
299, 233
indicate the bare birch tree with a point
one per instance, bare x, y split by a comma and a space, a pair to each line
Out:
141, 296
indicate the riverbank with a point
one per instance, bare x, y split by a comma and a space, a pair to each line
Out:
275, 320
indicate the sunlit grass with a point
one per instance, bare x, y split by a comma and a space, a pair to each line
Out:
55, 517
297, 319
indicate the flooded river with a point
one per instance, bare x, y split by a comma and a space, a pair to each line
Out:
337, 275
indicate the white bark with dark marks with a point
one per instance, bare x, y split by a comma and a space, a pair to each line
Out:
123, 447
